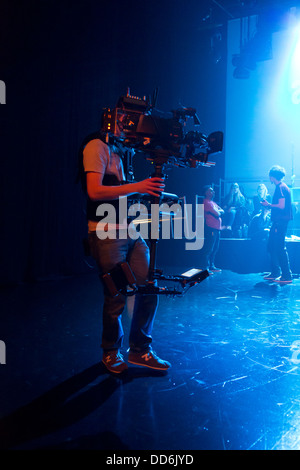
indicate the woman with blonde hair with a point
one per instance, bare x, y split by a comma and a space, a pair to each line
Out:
262, 195
233, 202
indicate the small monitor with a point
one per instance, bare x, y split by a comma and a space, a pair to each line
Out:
191, 272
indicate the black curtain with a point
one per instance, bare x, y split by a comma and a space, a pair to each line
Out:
62, 62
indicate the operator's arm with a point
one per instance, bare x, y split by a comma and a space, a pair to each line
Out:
96, 157
97, 191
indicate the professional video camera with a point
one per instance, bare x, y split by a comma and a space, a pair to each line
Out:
163, 138
139, 125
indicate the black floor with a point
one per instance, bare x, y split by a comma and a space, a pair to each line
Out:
234, 345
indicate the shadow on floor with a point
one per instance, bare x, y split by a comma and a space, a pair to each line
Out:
64, 405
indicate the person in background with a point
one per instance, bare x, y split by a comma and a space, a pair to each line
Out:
262, 194
281, 214
212, 227
259, 226
233, 203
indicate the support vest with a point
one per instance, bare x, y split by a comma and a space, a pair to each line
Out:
108, 180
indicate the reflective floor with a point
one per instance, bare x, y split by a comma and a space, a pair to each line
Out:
234, 345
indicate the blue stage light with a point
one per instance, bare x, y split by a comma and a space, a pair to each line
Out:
295, 69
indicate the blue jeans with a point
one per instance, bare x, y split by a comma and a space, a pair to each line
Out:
108, 253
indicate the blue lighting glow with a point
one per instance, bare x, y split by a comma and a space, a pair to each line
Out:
262, 112
295, 69
285, 89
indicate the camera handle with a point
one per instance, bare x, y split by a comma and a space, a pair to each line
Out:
158, 172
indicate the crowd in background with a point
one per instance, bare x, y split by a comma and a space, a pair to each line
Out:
257, 218
245, 217
236, 217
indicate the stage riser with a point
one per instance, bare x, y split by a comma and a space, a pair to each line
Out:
237, 255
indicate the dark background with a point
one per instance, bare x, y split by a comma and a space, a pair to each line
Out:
62, 62
231, 342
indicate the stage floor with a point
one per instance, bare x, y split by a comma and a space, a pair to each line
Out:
234, 345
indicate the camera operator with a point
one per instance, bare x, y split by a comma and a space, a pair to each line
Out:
103, 167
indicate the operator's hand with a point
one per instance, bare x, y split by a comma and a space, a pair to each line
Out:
153, 186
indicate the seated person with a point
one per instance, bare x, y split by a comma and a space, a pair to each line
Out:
259, 226
262, 194
234, 207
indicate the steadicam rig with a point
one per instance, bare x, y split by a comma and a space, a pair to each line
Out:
163, 139
121, 280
